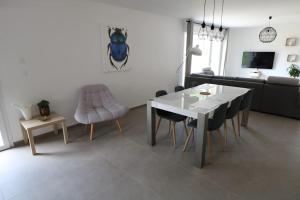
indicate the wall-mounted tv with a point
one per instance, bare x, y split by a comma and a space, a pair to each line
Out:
259, 60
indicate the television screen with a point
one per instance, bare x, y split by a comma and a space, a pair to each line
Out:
259, 60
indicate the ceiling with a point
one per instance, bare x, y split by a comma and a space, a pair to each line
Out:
237, 13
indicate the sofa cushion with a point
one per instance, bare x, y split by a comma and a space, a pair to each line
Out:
255, 80
202, 75
283, 81
280, 100
192, 81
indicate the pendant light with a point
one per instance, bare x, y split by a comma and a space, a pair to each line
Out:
268, 34
203, 33
221, 33
221, 27
212, 25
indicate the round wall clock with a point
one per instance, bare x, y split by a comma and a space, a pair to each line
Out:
267, 35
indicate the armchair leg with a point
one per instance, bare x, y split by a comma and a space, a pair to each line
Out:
119, 126
92, 132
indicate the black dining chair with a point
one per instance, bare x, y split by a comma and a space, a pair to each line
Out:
214, 124
171, 117
179, 88
245, 104
232, 111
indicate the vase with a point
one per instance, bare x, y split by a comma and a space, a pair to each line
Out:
44, 111
26, 111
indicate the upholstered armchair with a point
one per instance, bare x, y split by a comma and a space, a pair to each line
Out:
97, 104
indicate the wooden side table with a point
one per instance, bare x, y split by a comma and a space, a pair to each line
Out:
29, 125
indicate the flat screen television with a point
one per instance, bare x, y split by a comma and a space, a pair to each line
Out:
259, 60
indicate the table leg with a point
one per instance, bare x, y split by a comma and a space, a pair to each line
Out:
65, 131
55, 128
25, 137
151, 123
200, 140
31, 142
245, 117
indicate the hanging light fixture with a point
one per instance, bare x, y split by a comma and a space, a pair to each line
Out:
213, 34
212, 25
221, 33
203, 33
268, 34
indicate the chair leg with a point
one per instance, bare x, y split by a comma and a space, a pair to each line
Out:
119, 126
185, 128
174, 135
209, 145
92, 132
158, 124
233, 125
225, 132
220, 138
239, 123
188, 139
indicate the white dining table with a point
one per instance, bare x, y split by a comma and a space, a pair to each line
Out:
199, 103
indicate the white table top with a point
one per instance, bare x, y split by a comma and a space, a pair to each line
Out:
190, 102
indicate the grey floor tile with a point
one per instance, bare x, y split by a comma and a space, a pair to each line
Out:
126, 189
262, 164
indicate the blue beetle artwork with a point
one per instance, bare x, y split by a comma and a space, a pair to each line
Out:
117, 49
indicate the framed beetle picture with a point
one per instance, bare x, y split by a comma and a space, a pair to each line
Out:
115, 48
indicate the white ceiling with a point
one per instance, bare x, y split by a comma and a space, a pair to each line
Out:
237, 13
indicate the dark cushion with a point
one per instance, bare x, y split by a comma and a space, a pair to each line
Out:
281, 100
202, 75
250, 80
195, 81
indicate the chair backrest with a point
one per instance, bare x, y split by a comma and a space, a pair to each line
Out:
247, 99
95, 96
179, 88
234, 107
218, 118
160, 93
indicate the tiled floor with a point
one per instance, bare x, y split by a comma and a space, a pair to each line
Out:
263, 164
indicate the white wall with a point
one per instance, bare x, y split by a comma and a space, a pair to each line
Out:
49, 49
246, 39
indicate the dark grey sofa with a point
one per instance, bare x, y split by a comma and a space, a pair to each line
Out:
277, 95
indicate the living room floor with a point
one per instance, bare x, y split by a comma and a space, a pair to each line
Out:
262, 164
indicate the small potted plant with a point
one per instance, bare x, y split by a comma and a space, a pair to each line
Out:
44, 109
294, 71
